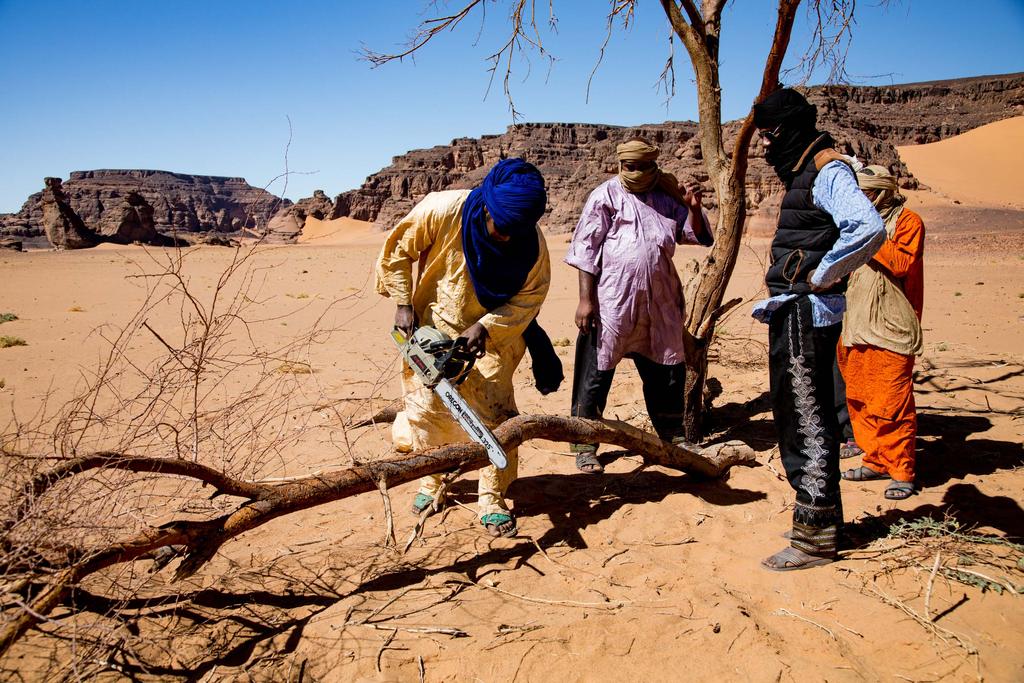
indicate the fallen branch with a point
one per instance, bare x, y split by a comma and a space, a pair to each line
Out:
389, 520
269, 501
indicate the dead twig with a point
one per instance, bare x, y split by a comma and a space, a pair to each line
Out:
389, 520
434, 507
543, 601
387, 641
931, 582
443, 630
938, 631
782, 611
613, 556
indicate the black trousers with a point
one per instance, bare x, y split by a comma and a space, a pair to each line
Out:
800, 362
842, 410
664, 388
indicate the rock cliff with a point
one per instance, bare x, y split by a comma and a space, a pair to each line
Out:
575, 157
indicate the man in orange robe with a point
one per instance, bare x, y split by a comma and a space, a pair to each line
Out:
881, 337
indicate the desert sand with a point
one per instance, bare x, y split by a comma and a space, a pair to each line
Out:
980, 167
643, 574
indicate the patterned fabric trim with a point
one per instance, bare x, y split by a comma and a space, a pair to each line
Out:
816, 529
813, 479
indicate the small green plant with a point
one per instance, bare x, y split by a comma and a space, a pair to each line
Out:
957, 293
6, 341
942, 347
964, 547
8, 317
76, 309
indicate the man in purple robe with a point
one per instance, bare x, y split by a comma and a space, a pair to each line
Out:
631, 298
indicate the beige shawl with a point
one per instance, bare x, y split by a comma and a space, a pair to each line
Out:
877, 311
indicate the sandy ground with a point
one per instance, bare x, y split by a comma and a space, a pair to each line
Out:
636, 573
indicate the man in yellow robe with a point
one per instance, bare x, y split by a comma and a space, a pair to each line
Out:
484, 272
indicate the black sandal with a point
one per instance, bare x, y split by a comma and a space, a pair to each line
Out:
899, 490
863, 473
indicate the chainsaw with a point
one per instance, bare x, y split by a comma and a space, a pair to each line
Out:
442, 363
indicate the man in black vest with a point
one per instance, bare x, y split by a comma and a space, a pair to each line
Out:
827, 229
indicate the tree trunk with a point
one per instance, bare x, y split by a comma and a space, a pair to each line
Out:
707, 297
699, 30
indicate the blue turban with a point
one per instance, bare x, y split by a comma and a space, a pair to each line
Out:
513, 193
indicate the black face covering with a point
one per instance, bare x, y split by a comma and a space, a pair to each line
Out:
785, 152
796, 121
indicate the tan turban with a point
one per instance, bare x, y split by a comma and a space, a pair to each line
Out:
638, 181
636, 150
889, 201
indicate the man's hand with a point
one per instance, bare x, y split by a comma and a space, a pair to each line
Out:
476, 339
693, 202
693, 198
586, 312
586, 315
817, 289
405, 320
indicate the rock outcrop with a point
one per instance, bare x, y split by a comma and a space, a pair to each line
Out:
63, 226
575, 157
286, 224
139, 205
130, 222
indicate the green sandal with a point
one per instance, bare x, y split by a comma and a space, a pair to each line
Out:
423, 502
500, 524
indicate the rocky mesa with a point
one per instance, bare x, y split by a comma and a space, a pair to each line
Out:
152, 207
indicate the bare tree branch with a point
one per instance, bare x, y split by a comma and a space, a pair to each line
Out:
833, 22
769, 82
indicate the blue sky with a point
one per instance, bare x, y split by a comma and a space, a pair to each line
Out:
208, 86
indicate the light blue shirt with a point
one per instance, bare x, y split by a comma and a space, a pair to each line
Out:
861, 234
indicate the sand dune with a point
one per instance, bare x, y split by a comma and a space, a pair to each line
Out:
339, 231
981, 166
